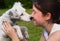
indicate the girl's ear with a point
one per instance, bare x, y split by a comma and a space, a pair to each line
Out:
48, 16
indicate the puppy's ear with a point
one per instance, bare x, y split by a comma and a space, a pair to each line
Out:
11, 13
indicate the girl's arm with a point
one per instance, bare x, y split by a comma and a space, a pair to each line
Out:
42, 38
8, 29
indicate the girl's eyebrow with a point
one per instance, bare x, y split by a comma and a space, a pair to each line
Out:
33, 9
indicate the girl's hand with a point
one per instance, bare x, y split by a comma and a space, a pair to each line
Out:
8, 29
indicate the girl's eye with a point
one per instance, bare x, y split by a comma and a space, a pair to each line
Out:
34, 12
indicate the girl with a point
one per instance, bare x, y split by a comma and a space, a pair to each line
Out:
46, 13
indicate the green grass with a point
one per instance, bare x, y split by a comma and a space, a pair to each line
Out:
2, 11
34, 32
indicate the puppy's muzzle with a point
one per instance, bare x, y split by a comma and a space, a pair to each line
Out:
31, 18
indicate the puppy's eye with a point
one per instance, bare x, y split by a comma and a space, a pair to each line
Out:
15, 9
21, 14
16, 15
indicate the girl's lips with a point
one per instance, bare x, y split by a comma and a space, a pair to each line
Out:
35, 23
33, 19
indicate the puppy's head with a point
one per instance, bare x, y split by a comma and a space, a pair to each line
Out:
18, 12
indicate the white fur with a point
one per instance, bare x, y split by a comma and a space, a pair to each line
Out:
16, 12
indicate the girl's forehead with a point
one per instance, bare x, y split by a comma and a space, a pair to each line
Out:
34, 8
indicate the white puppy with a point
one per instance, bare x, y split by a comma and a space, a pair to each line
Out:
17, 12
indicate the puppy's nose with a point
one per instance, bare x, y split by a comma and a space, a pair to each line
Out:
31, 18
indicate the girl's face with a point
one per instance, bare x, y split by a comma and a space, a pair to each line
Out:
38, 17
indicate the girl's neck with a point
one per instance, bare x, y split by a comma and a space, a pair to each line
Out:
48, 27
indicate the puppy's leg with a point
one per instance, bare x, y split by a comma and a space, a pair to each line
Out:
25, 33
4, 39
18, 30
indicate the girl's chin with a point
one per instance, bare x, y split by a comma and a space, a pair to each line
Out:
35, 23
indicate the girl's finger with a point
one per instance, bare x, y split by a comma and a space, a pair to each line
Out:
4, 29
7, 25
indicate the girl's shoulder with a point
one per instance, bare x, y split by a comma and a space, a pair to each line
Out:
55, 28
55, 33
54, 36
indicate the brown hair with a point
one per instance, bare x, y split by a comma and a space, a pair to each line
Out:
51, 6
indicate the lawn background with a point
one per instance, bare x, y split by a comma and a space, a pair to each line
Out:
34, 32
